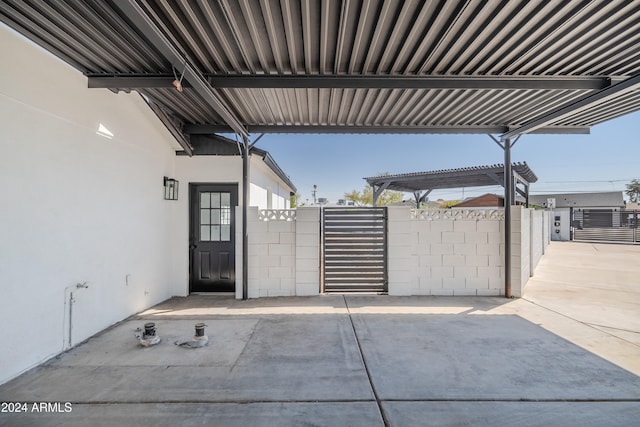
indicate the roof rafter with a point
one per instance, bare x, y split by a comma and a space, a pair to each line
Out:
133, 81
171, 125
584, 103
141, 19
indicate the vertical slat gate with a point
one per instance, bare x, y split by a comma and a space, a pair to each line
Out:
354, 243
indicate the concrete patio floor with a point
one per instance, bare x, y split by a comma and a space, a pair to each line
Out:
568, 353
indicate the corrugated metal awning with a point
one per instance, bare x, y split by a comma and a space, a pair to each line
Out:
363, 66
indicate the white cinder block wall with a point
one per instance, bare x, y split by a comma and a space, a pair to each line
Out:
307, 251
272, 249
76, 207
284, 252
520, 249
537, 239
447, 252
458, 252
444, 253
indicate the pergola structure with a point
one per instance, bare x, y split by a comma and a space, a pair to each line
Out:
422, 183
353, 66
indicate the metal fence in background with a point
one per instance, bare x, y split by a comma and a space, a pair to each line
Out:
607, 225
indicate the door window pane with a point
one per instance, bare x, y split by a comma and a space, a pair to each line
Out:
205, 200
225, 233
215, 216
215, 200
205, 234
205, 216
225, 216
226, 200
215, 233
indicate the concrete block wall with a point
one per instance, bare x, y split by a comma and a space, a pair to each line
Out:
529, 240
537, 240
307, 251
272, 253
448, 252
546, 232
520, 249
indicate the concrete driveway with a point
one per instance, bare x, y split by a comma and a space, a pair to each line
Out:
566, 354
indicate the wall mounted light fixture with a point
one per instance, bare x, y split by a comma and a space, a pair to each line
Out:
170, 188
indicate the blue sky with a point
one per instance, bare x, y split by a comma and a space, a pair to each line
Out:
605, 160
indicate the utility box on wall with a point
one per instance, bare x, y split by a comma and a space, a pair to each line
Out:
561, 224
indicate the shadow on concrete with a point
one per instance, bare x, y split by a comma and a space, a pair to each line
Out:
331, 360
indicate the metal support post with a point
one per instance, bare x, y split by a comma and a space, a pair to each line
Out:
245, 204
508, 181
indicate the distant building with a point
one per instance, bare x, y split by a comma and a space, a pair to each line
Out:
487, 200
601, 200
562, 205
484, 201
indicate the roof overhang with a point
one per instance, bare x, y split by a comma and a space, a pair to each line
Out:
353, 67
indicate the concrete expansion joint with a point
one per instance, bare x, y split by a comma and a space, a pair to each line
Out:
366, 367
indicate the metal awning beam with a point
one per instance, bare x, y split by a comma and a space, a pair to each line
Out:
133, 81
396, 129
171, 126
584, 103
146, 25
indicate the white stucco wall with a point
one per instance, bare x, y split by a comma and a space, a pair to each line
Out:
265, 183
201, 169
220, 170
75, 207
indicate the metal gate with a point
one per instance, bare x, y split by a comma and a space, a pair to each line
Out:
607, 225
354, 249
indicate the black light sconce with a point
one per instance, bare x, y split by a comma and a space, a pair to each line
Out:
170, 188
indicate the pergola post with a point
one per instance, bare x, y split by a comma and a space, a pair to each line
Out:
420, 197
378, 191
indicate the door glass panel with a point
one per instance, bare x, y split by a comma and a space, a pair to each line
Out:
205, 200
205, 217
215, 200
226, 200
215, 233
215, 216
225, 216
225, 233
205, 233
